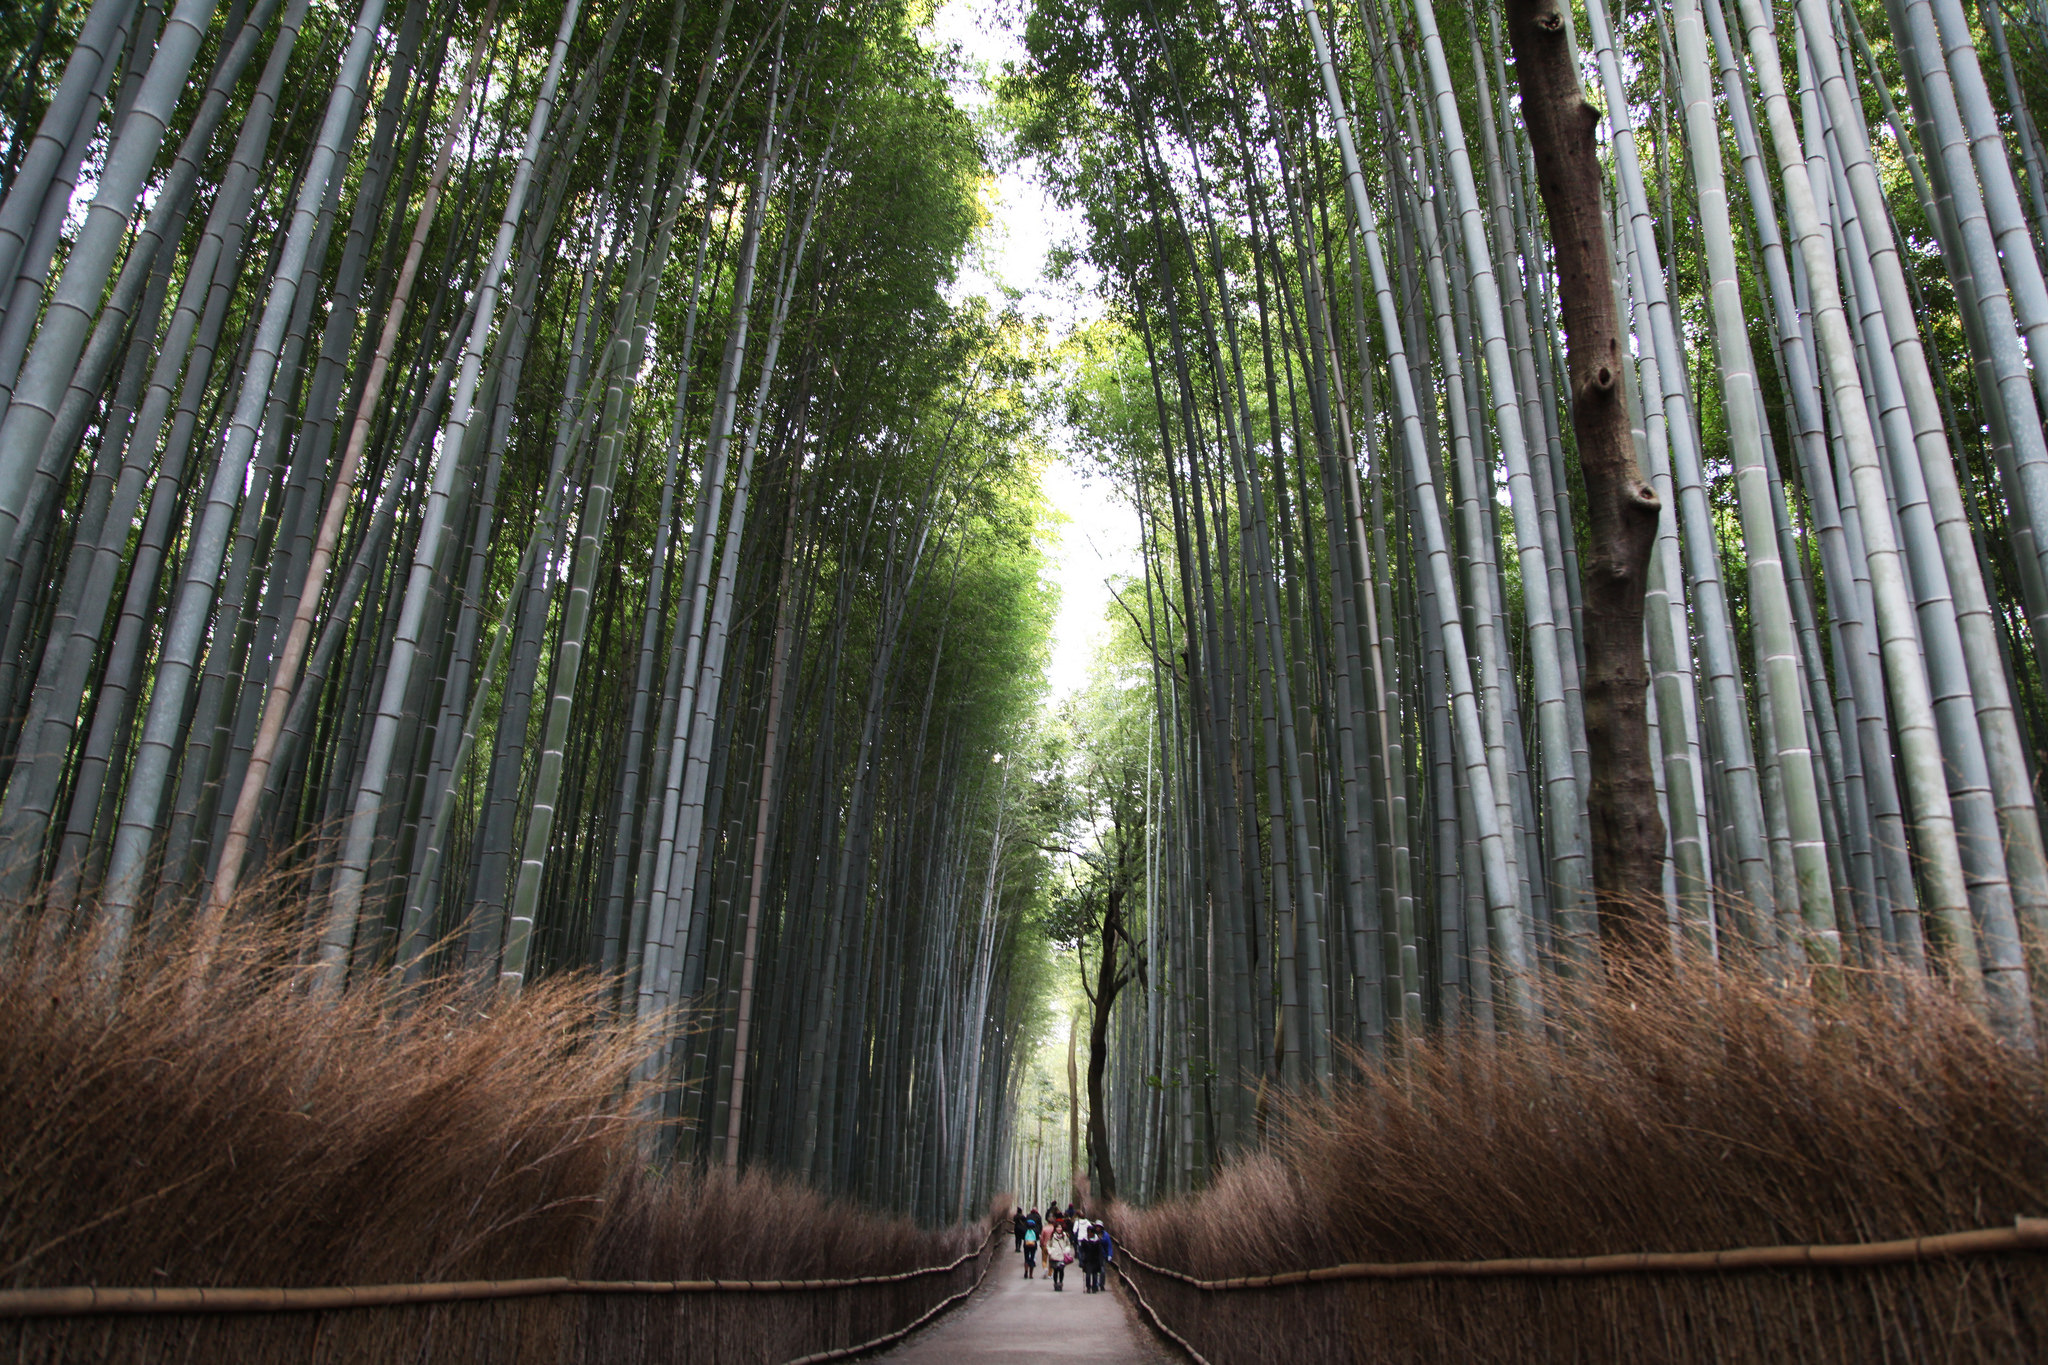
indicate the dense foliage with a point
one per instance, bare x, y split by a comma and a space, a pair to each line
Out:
506, 488
1338, 383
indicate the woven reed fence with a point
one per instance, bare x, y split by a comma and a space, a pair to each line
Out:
480, 1171
1977, 1296
542, 1319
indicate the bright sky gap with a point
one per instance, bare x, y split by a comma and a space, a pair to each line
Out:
1098, 541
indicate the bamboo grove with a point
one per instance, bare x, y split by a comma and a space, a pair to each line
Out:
1334, 382
497, 488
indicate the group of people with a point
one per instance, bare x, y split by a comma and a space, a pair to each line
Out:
1061, 1239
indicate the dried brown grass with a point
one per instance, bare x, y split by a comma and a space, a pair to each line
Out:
233, 1131
1722, 1112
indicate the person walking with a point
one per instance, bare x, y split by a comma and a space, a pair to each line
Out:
1088, 1251
1017, 1226
1059, 1254
1030, 1243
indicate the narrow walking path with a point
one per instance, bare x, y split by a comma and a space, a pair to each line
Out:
1023, 1322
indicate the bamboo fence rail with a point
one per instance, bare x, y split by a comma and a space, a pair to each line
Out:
92, 1301
1152, 1315
2026, 1234
875, 1343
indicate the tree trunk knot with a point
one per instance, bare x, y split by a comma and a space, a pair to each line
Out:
1610, 573
1550, 21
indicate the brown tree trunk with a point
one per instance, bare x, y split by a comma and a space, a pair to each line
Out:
1622, 509
1073, 1113
1108, 983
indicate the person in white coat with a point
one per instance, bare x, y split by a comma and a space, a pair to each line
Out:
1059, 1254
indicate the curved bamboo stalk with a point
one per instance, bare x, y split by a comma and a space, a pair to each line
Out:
78, 294
1770, 602
285, 667
338, 934
1920, 751
156, 749
1503, 914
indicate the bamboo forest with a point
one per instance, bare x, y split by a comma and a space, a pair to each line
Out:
1375, 669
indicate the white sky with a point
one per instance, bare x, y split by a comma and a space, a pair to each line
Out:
1100, 538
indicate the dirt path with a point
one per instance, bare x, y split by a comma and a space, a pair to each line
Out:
1025, 1322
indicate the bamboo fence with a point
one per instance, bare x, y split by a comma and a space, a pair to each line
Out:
839, 1328
1786, 1321
93, 1301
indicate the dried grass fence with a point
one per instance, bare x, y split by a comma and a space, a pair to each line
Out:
228, 1132
1726, 1113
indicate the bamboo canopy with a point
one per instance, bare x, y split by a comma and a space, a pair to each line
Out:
505, 487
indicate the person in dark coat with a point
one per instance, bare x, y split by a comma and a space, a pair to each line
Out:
1017, 1227
1089, 1254
1030, 1249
